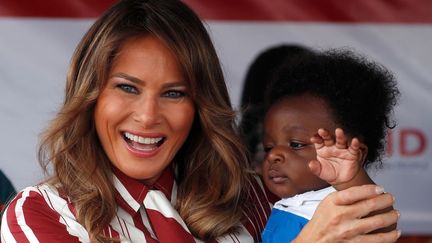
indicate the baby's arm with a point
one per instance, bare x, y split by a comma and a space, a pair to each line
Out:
339, 162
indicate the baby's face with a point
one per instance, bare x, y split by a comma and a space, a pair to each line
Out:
288, 126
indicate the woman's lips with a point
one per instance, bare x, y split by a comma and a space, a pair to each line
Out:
143, 146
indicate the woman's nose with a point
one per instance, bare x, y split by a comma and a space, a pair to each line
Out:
147, 111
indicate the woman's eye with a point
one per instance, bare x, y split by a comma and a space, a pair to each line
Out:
174, 94
128, 88
296, 145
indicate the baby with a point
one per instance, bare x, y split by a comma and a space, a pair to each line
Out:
334, 91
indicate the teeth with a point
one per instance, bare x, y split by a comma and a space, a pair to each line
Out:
142, 140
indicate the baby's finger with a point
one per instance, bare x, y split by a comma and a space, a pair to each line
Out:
341, 141
354, 147
326, 136
317, 141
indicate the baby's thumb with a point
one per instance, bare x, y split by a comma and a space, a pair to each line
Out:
315, 167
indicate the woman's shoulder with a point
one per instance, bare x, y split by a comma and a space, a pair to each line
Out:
33, 199
36, 203
39, 205
42, 192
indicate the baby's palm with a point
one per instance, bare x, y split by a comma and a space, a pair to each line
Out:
337, 162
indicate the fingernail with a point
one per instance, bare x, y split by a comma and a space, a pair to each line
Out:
399, 233
394, 199
379, 190
398, 214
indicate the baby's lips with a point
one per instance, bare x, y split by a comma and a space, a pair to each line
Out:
275, 173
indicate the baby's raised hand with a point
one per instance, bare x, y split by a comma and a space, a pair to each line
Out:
337, 160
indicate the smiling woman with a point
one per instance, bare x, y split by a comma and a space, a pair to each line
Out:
144, 148
146, 110
144, 113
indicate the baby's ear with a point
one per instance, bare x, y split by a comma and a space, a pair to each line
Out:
364, 152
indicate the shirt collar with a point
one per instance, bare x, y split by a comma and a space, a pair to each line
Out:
130, 193
301, 199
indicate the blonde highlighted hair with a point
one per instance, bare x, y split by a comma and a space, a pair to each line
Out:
212, 179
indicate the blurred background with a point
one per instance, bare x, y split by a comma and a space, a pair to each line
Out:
37, 39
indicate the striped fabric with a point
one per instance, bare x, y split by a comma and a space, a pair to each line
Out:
42, 214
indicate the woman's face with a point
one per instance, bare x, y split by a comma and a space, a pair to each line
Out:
288, 126
144, 113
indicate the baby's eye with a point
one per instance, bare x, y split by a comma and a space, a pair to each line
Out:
174, 94
296, 145
267, 148
128, 88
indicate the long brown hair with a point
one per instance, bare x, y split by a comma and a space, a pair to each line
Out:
212, 179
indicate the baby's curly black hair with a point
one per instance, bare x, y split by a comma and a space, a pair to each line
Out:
361, 93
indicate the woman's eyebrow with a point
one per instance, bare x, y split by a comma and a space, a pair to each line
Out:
138, 81
128, 77
175, 84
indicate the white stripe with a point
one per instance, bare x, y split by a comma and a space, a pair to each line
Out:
6, 235
174, 193
110, 232
198, 240
260, 204
251, 222
125, 194
147, 223
126, 232
173, 201
67, 218
116, 221
21, 218
125, 225
304, 204
156, 200
115, 224
260, 183
242, 236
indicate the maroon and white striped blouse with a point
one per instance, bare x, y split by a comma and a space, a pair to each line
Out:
42, 214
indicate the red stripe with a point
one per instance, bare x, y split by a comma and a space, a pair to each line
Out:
258, 210
111, 233
405, 11
316, 10
165, 183
40, 218
138, 222
54, 8
379, 11
63, 195
37, 213
168, 229
136, 189
12, 221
